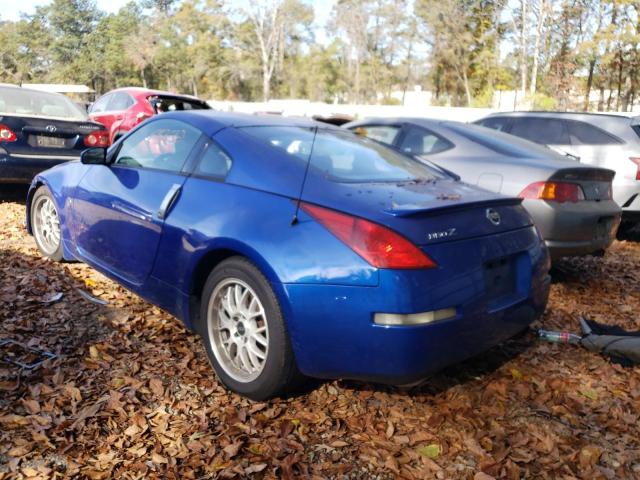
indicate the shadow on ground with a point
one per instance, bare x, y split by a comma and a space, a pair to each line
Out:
13, 193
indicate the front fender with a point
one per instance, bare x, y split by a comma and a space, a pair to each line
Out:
61, 181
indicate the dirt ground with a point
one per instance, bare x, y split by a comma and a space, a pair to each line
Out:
131, 394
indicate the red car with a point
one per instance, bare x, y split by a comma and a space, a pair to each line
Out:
122, 109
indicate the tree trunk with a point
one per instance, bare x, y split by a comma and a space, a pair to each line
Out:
601, 100
523, 47
467, 91
542, 17
144, 79
592, 66
619, 87
266, 85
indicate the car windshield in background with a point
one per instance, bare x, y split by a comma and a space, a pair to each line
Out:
172, 104
499, 142
343, 156
29, 103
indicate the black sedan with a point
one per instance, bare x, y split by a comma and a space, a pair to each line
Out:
39, 130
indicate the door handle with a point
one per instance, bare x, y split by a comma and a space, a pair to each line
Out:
168, 201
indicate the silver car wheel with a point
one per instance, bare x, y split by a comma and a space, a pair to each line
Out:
46, 225
238, 330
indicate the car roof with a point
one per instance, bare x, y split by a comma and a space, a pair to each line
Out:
543, 113
425, 122
141, 91
210, 121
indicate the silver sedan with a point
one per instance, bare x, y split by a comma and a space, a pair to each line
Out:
570, 203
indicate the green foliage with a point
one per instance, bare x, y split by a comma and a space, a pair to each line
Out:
464, 51
542, 101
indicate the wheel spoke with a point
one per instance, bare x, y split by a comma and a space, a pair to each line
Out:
261, 340
255, 351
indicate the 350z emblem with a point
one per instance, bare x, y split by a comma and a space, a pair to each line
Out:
440, 235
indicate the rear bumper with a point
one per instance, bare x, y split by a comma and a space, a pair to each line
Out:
572, 229
334, 335
22, 169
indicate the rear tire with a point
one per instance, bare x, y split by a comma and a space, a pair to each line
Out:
244, 332
45, 224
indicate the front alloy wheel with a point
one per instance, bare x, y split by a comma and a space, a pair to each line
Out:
46, 224
244, 332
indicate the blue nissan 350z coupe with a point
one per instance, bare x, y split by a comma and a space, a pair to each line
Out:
297, 249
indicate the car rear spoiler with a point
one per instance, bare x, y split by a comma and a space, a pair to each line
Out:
584, 174
408, 210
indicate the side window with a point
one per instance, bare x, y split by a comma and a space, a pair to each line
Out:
120, 101
548, 131
497, 123
100, 105
420, 141
214, 162
582, 133
162, 145
382, 133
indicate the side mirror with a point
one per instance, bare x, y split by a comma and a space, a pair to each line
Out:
94, 156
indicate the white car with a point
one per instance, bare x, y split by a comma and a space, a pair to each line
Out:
607, 140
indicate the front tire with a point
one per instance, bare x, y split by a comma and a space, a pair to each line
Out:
45, 223
244, 332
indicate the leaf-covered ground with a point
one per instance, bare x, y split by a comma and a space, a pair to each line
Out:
131, 394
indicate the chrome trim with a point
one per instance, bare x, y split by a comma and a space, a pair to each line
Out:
45, 157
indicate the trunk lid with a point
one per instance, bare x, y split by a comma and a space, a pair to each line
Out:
595, 182
431, 212
46, 136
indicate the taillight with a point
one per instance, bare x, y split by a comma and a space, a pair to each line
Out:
97, 139
636, 160
6, 134
381, 247
553, 191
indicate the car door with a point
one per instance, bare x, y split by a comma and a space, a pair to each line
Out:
98, 111
119, 209
119, 109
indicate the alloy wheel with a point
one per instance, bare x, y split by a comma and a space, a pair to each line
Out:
46, 225
238, 329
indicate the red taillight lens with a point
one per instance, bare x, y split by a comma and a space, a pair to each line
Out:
636, 160
97, 139
553, 191
6, 134
381, 247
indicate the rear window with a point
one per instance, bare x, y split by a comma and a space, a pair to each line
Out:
496, 123
420, 141
171, 104
30, 103
344, 157
382, 133
582, 133
499, 142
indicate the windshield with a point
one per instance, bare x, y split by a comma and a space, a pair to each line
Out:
342, 156
30, 103
501, 143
